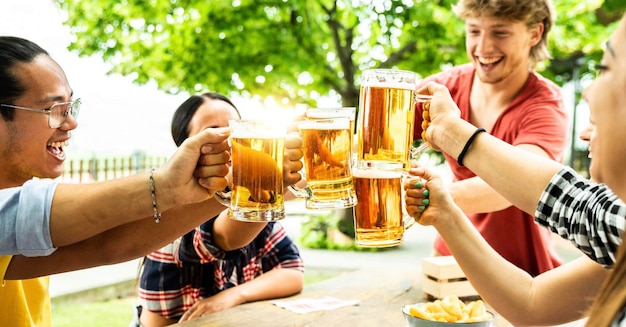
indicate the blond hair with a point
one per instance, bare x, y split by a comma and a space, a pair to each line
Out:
530, 12
612, 297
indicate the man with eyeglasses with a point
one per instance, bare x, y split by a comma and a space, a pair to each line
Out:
57, 113
48, 228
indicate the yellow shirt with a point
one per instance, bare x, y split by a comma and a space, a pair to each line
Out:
24, 302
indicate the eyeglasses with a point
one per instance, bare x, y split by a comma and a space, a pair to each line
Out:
57, 113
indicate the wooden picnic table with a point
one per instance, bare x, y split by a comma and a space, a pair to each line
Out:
381, 293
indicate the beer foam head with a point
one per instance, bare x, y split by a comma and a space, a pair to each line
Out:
325, 124
258, 129
345, 112
389, 78
390, 85
375, 173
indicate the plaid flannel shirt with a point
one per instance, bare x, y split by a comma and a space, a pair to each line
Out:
588, 214
193, 267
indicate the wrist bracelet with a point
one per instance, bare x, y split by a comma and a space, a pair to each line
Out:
155, 211
467, 145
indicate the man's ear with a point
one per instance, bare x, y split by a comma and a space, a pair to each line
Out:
536, 32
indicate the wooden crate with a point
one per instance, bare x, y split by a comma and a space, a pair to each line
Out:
443, 277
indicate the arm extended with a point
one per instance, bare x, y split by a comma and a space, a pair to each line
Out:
123, 243
517, 296
84, 210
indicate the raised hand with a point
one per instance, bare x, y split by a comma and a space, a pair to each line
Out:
426, 197
293, 159
199, 164
437, 109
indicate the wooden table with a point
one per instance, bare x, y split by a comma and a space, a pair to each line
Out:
381, 292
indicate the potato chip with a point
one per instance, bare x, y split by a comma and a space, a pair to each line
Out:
453, 306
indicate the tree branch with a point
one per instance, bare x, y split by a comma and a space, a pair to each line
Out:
399, 55
343, 49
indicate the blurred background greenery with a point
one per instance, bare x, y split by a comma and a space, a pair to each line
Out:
298, 52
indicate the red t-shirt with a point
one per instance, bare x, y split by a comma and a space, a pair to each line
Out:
538, 117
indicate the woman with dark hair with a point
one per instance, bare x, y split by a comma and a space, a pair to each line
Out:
194, 276
186, 111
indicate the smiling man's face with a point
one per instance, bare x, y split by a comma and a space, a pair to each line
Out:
498, 48
28, 146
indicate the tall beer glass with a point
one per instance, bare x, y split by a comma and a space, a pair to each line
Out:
379, 217
386, 116
327, 163
257, 171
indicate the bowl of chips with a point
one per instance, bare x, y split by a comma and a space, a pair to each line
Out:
447, 312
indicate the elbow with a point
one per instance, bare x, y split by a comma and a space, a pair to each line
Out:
297, 278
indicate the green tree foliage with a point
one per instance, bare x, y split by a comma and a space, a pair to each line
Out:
577, 39
299, 50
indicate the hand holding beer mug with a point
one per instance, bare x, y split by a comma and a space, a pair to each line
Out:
379, 217
386, 118
327, 164
257, 171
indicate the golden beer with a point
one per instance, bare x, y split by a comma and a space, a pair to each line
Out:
386, 117
378, 216
327, 163
339, 112
257, 173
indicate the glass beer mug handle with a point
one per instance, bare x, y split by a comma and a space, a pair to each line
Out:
224, 196
407, 221
304, 192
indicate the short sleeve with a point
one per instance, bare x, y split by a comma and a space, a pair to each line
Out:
25, 219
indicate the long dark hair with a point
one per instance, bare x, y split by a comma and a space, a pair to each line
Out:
184, 113
14, 50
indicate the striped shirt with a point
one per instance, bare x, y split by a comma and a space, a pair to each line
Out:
193, 267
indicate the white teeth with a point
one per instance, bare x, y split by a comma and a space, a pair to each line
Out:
58, 144
488, 61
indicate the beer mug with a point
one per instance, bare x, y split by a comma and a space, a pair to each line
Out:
327, 164
337, 112
379, 217
257, 155
386, 117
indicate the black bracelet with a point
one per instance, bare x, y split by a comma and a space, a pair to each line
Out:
467, 145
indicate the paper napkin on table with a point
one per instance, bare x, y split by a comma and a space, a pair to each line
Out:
307, 305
